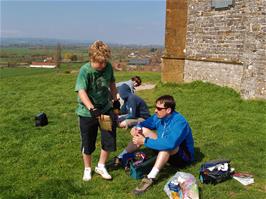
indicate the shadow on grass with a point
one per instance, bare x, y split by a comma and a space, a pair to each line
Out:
198, 155
5, 191
56, 188
170, 170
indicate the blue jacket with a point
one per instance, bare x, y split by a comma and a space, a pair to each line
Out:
133, 105
172, 131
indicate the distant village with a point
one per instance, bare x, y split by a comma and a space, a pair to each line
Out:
123, 58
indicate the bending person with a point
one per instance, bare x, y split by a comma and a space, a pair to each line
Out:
134, 82
134, 109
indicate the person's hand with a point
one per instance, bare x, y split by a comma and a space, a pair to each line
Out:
134, 131
95, 112
123, 124
138, 139
116, 104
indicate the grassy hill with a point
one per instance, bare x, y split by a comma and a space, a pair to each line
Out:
46, 162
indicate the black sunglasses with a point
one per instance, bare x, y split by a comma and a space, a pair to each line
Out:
160, 108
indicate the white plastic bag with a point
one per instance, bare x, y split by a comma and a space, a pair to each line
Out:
188, 188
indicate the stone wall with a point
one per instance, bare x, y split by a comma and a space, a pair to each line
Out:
254, 52
216, 35
228, 46
223, 74
172, 70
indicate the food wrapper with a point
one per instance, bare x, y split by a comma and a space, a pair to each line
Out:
105, 122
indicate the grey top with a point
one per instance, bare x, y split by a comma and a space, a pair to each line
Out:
130, 83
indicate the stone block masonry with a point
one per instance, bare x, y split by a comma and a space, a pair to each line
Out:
223, 74
222, 46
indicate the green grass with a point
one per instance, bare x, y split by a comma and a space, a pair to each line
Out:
46, 162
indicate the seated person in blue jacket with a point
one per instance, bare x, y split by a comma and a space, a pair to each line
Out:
134, 109
168, 132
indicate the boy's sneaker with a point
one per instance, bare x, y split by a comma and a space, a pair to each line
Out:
87, 175
143, 186
103, 172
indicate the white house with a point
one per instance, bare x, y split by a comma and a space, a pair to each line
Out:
43, 65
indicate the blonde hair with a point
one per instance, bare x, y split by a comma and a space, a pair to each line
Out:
99, 52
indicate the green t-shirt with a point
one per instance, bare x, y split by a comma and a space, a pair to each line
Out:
96, 84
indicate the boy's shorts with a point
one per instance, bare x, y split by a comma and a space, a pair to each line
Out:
89, 130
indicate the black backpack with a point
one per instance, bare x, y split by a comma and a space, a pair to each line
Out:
211, 174
41, 119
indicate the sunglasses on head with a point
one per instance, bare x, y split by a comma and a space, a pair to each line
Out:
160, 108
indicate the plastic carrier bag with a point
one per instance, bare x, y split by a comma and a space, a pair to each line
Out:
182, 186
215, 171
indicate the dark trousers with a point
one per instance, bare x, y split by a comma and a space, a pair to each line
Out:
89, 130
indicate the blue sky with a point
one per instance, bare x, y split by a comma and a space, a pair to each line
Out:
124, 22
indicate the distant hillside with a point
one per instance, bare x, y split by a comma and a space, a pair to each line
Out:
26, 42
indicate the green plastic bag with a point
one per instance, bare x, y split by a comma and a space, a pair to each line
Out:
138, 172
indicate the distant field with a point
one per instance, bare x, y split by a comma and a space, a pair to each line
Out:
22, 54
46, 162
31, 53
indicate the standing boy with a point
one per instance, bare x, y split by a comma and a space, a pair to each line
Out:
93, 83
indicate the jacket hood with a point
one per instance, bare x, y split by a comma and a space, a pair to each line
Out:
124, 91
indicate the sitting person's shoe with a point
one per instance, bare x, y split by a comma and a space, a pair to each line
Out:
87, 175
117, 162
103, 172
114, 164
143, 186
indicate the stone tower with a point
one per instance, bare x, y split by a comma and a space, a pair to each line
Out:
175, 41
219, 41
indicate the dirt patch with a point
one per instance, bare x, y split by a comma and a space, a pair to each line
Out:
145, 87
74, 71
71, 71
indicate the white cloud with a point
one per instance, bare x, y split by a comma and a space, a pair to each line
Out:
8, 33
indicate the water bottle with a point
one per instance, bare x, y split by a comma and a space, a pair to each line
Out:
138, 127
174, 189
